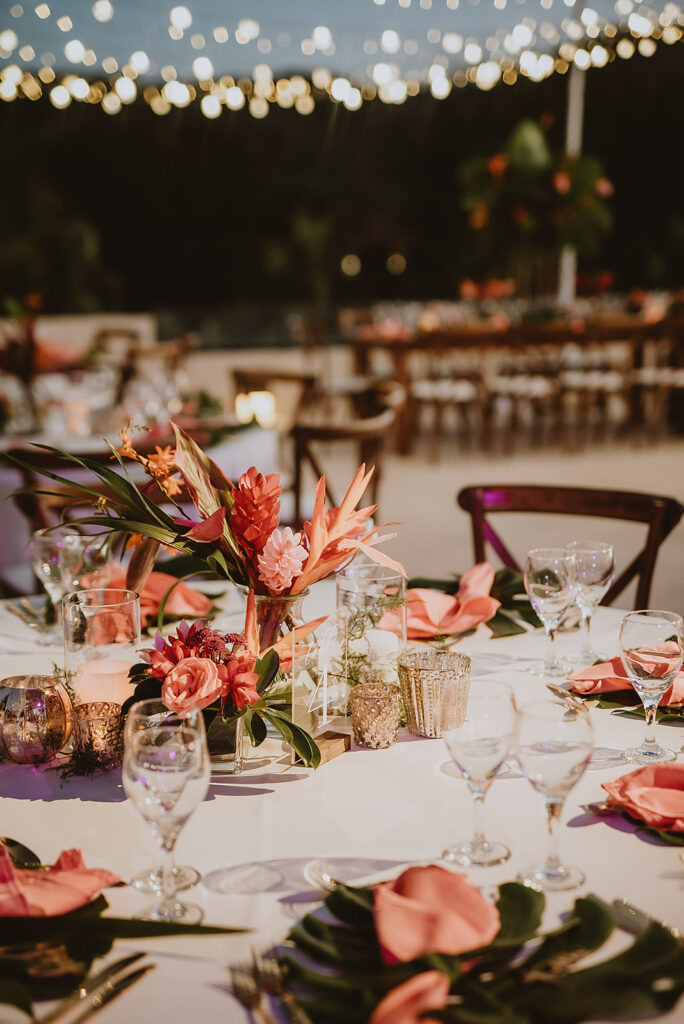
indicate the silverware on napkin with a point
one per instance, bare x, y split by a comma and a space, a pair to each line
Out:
95, 986
110, 990
637, 921
248, 993
271, 979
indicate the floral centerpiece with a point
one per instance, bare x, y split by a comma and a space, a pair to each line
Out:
236, 536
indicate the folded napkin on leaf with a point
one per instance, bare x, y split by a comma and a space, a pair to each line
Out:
653, 794
430, 613
65, 886
183, 601
611, 675
408, 1002
431, 910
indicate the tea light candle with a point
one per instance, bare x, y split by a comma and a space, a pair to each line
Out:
103, 679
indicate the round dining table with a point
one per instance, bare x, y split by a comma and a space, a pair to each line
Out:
366, 814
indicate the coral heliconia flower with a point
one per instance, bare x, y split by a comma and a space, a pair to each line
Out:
281, 560
256, 509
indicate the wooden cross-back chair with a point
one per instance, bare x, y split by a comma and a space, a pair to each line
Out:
660, 514
369, 433
303, 385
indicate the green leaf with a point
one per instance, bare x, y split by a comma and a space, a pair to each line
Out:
587, 928
266, 668
520, 909
503, 625
304, 746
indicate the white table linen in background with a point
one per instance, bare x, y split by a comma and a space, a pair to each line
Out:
370, 811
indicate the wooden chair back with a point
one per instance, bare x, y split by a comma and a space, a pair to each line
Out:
660, 514
369, 433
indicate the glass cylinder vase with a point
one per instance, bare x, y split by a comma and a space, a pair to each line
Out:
371, 604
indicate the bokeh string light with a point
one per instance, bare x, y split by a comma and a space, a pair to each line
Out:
530, 48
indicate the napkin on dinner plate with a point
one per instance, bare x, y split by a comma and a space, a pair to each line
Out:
65, 886
431, 613
431, 910
609, 676
654, 794
408, 1002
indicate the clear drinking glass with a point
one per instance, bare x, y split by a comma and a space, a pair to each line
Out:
49, 558
478, 748
652, 651
554, 744
101, 641
548, 582
166, 776
143, 715
593, 572
64, 559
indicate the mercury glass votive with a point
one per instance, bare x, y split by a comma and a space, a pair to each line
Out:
421, 678
35, 718
375, 714
97, 730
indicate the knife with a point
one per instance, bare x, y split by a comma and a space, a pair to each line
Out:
110, 990
90, 986
637, 921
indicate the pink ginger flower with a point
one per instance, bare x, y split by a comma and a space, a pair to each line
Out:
281, 560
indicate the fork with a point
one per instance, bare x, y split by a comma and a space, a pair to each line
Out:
247, 992
271, 978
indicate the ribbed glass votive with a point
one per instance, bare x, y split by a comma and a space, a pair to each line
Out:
421, 677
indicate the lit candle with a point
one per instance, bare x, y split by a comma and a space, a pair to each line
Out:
103, 679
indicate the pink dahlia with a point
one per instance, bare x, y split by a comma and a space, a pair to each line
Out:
281, 560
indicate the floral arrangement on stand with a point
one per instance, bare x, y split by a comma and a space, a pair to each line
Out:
525, 203
237, 537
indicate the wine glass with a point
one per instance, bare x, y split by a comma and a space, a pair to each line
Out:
166, 775
548, 582
49, 558
142, 715
593, 572
652, 651
478, 748
554, 743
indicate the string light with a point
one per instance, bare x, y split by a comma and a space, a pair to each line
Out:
585, 39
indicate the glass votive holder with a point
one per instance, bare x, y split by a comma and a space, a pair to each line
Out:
101, 641
421, 677
375, 714
371, 604
35, 718
98, 732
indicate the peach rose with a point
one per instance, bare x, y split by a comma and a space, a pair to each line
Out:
431, 910
191, 685
654, 794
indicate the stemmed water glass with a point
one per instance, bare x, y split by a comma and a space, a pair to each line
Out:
652, 651
548, 582
478, 748
166, 775
593, 572
554, 744
143, 715
62, 559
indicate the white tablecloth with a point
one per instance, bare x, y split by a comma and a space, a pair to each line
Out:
370, 811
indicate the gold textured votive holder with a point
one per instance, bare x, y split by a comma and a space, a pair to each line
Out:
421, 678
97, 731
375, 714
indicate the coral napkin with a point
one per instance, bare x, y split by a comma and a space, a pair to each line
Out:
431, 613
65, 886
611, 675
654, 794
407, 1003
183, 601
431, 910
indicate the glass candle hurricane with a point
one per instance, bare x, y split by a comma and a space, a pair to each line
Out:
371, 602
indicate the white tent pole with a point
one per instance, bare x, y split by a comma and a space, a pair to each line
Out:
574, 123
